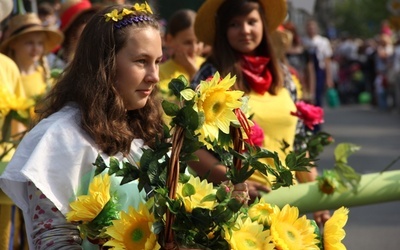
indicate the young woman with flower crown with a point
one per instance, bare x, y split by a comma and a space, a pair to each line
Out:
105, 103
238, 31
105, 106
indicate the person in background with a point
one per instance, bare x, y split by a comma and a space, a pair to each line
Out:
300, 60
320, 50
184, 49
239, 33
281, 41
47, 13
27, 45
10, 81
74, 14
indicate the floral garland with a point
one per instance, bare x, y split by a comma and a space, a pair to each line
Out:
115, 15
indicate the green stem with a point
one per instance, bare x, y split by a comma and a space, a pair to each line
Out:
6, 129
390, 164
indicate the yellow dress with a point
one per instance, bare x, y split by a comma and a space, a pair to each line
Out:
10, 79
34, 84
272, 114
170, 70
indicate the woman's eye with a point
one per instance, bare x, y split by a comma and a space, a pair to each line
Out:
141, 61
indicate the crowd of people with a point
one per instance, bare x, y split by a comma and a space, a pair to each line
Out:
106, 99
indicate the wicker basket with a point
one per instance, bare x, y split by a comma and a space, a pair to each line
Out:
173, 178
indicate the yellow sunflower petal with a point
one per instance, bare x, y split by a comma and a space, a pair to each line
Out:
133, 230
249, 235
87, 207
202, 188
290, 232
333, 230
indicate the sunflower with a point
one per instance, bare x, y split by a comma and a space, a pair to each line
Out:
333, 230
262, 212
201, 189
87, 207
133, 231
248, 235
217, 103
12, 102
290, 232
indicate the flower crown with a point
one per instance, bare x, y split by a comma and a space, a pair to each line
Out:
121, 21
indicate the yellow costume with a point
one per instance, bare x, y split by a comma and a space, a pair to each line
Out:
272, 114
10, 79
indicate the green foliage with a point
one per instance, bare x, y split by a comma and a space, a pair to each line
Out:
360, 18
342, 176
193, 228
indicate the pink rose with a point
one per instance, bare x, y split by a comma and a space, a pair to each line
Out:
311, 115
256, 136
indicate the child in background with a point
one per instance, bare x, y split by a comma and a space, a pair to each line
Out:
28, 43
184, 49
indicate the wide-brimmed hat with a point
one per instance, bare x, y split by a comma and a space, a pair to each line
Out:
275, 12
28, 23
72, 9
5, 8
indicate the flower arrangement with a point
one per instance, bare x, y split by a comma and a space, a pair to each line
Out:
185, 211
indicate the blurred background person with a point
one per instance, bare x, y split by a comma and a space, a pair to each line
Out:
48, 15
183, 49
27, 45
320, 50
74, 14
301, 61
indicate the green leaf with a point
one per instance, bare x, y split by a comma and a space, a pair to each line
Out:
234, 205
99, 164
188, 190
176, 85
344, 150
170, 109
114, 166
210, 197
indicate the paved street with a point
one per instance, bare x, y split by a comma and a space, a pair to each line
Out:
375, 226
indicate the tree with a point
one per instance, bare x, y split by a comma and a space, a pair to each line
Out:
360, 18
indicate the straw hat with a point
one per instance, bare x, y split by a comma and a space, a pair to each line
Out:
5, 8
275, 12
28, 23
72, 9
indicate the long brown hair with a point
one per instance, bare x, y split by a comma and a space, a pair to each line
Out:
226, 59
89, 82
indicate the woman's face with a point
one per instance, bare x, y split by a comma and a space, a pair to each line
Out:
137, 66
186, 42
245, 32
28, 48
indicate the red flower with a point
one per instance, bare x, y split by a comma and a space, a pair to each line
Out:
311, 115
256, 136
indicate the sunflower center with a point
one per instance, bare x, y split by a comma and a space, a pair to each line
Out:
137, 235
250, 243
214, 105
291, 235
